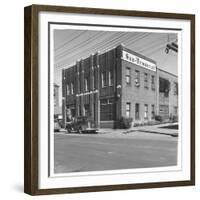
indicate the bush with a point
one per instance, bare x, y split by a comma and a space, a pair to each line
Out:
173, 118
136, 124
124, 122
158, 118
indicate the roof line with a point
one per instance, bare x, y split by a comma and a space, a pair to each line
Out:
167, 72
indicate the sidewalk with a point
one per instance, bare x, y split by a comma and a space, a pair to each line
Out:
155, 129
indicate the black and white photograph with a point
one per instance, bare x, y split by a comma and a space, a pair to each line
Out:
111, 100
115, 98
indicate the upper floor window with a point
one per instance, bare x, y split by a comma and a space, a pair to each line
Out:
86, 84
175, 88
137, 78
145, 80
67, 89
110, 78
103, 79
128, 76
93, 82
72, 88
153, 82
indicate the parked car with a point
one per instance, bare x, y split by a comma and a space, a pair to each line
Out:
57, 126
81, 124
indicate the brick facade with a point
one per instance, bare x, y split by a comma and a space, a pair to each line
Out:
106, 87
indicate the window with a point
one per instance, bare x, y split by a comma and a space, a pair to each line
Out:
110, 78
153, 82
164, 110
137, 111
86, 110
128, 109
93, 83
137, 78
128, 76
54, 92
145, 111
86, 84
164, 86
175, 88
107, 109
80, 110
152, 111
72, 88
67, 90
175, 110
103, 79
145, 80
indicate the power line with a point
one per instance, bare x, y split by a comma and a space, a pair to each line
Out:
67, 42
105, 45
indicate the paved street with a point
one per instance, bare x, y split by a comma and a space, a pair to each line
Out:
79, 153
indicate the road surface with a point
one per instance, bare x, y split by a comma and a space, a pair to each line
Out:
80, 153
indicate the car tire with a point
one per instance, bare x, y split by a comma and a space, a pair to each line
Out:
80, 130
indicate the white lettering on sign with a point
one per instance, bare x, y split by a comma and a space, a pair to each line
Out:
138, 61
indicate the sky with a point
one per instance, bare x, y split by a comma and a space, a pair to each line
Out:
71, 45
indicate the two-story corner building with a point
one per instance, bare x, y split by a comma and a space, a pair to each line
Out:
118, 83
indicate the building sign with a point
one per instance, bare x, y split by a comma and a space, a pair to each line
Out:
138, 61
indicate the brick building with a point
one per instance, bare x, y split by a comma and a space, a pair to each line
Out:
118, 83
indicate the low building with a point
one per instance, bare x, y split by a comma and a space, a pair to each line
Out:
118, 83
57, 109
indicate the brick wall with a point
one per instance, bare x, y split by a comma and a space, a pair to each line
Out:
135, 93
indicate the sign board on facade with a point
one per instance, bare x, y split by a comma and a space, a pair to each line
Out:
138, 61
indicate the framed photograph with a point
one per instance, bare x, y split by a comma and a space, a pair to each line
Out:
109, 99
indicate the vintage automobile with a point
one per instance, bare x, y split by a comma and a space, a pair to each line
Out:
80, 125
57, 126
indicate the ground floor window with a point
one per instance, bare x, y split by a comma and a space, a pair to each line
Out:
175, 110
128, 109
87, 110
107, 109
70, 111
152, 111
137, 111
164, 110
145, 111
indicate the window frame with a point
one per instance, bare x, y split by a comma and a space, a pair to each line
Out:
128, 110
128, 69
146, 84
137, 77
